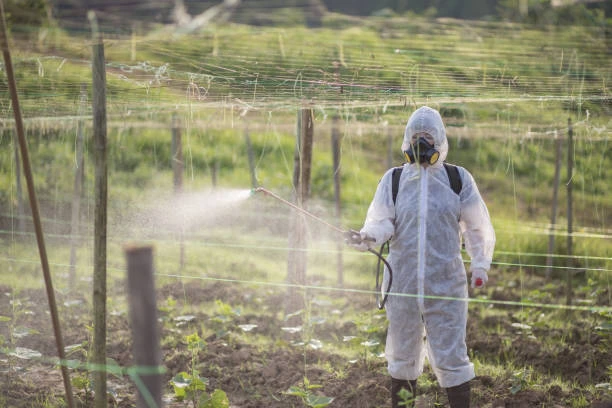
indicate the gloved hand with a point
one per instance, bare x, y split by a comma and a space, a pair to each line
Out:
359, 240
479, 278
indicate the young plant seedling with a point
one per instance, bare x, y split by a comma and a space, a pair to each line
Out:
189, 386
309, 398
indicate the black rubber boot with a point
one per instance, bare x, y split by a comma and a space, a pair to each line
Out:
459, 396
396, 386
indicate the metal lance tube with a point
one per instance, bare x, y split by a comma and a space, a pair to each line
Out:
300, 209
346, 233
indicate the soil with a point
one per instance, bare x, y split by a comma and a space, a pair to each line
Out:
254, 374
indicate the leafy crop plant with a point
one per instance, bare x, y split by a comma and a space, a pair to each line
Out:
189, 386
309, 398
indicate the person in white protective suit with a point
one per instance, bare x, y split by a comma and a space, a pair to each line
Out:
425, 226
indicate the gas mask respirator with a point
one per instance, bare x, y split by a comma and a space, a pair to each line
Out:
422, 151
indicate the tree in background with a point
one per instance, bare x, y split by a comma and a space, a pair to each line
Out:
25, 15
547, 12
119, 15
469, 9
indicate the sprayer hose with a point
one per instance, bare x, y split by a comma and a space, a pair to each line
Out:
381, 258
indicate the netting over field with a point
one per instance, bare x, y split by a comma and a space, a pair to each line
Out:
489, 80
390, 64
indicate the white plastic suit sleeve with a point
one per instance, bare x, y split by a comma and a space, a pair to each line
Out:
475, 223
379, 222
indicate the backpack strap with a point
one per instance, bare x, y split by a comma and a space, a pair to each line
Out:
452, 172
397, 173
454, 177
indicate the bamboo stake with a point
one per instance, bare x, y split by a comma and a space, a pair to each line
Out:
25, 156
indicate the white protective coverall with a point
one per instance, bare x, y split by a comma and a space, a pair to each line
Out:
425, 227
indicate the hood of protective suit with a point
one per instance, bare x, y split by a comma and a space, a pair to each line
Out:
427, 120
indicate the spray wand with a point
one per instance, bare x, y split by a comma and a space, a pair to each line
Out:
351, 237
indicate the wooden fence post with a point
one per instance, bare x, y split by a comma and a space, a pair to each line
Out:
251, 158
214, 174
301, 172
79, 174
20, 206
306, 155
100, 213
40, 239
133, 43
296, 155
293, 217
553, 216
177, 171
390, 148
570, 177
177, 155
145, 334
337, 184
304, 188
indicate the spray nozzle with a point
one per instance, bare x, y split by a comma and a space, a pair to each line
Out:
258, 190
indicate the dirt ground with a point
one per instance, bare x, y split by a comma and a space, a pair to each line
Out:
255, 375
